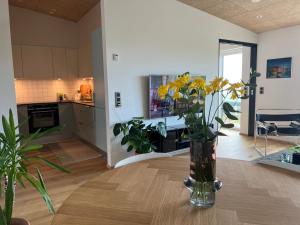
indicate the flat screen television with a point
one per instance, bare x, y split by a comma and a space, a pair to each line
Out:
159, 108
162, 108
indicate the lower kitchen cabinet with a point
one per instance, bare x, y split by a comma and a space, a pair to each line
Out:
85, 122
66, 119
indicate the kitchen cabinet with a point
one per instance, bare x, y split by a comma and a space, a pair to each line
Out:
66, 119
37, 63
17, 60
72, 63
60, 63
23, 120
85, 61
85, 122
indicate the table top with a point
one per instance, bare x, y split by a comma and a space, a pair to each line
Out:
152, 193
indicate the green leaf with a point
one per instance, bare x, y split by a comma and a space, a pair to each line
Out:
227, 107
161, 128
39, 186
230, 116
220, 133
31, 148
124, 140
228, 125
220, 121
2, 217
51, 164
11, 120
117, 129
130, 148
9, 196
9, 134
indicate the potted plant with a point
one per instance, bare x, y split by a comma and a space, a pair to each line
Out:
14, 161
136, 134
194, 95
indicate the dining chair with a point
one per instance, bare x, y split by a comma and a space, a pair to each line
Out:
141, 157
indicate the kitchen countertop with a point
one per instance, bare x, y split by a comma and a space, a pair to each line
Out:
92, 104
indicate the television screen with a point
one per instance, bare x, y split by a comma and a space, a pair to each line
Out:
159, 108
162, 108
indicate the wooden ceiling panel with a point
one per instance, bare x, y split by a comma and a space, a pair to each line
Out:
72, 10
226, 10
256, 15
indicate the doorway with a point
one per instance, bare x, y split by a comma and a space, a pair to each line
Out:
236, 62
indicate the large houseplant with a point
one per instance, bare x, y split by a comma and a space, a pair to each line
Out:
14, 162
136, 135
192, 96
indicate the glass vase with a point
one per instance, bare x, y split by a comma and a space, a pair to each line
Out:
202, 182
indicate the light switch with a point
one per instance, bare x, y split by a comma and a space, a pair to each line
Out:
118, 99
116, 57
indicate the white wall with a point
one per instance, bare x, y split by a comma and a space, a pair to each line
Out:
89, 23
7, 89
32, 28
279, 93
156, 37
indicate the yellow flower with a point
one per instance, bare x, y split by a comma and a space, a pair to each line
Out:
224, 83
237, 85
215, 84
162, 91
182, 80
234, 95
176, 95
208, 89
197, 84
242, 92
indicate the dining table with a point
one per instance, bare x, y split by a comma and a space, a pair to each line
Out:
152, 193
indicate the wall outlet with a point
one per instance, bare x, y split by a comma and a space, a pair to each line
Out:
261, 90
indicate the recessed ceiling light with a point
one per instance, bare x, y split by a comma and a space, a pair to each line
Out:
255, 1
259, 17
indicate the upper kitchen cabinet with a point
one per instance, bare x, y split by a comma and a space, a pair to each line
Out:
37, 63
60, 63
72, 62
85, 62
17, 59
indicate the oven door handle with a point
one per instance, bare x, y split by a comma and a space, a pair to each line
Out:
44, 111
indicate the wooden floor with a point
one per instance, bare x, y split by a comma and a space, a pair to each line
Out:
85, 162
60, 185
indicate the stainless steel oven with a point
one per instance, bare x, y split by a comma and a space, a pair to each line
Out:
43, 116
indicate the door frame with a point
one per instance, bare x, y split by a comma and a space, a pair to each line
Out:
252, 89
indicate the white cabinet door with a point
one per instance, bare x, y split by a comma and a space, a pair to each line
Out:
72, 63
85, 61
37, 62
60, 63
17, 59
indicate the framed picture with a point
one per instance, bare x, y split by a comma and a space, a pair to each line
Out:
279, 68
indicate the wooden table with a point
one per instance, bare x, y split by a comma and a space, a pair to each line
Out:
152, 192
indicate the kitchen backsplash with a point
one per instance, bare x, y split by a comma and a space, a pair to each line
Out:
46, 90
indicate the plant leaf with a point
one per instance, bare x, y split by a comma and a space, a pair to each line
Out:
51, 164
2, 217
130, 148
117, 129
38, 185
220, 121
230, 116
227, 107
31, 148
9, 197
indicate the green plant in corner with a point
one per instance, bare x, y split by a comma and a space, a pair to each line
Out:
136, 134
14, 162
